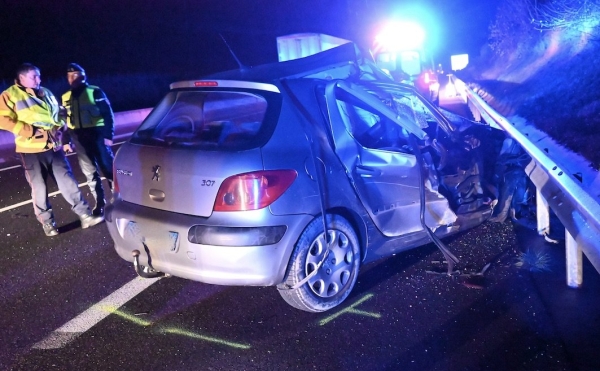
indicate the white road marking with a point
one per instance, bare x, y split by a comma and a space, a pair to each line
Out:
19, 204
86, 320
6, 208
10, 167
17, 166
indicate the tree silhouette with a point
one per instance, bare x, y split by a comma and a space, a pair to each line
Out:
577, 15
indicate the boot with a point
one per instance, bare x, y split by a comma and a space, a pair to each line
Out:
88, 220
50, 229
98, 211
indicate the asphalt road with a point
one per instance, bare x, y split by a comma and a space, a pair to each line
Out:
508, 309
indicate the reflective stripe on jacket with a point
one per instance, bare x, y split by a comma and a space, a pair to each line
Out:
33, 119
82, 111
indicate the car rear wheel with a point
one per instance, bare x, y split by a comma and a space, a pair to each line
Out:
331, 263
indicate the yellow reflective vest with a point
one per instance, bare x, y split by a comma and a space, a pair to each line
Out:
32, 118
82, 112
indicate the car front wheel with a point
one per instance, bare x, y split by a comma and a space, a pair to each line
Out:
331, 264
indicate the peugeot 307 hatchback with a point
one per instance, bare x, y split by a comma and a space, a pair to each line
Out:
294, 174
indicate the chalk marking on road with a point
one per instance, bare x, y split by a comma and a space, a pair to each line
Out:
29, 201
130, 317
173, 330
351, 309
96, 313
194, 335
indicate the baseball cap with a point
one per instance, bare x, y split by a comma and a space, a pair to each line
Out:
74, 67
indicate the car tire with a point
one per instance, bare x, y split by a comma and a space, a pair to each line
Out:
336, 275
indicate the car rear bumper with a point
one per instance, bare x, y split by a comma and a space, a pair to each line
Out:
163, 239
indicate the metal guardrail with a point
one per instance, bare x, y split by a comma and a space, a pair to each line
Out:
557, 188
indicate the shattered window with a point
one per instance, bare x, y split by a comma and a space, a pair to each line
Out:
373, 130
412, 109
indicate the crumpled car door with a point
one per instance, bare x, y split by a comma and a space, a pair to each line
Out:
372, 144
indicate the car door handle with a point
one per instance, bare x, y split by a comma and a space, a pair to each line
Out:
366, 171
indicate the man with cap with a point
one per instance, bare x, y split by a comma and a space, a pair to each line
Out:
33, 115
91, 122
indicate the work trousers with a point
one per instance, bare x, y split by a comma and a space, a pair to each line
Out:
38, 166
94, 158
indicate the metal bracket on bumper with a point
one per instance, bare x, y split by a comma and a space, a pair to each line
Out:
143, 271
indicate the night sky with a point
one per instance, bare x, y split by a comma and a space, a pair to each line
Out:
181, 37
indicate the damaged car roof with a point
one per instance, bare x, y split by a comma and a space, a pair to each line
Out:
343, 55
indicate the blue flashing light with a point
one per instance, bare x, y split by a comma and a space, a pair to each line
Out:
401, 35
413, 26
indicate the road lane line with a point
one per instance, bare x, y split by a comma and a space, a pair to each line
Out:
68, 332
10, 167
6, 208
16, 205
17, 166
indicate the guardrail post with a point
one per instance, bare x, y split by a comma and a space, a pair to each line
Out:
474, 111
543, 213
574, 254
574, 257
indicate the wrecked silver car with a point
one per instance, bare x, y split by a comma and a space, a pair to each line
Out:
294, 174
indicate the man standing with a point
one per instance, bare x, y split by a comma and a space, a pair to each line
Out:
91, 120
32, 114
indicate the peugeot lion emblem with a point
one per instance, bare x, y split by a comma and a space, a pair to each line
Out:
156, 172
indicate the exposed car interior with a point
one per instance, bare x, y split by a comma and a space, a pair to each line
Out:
452, 145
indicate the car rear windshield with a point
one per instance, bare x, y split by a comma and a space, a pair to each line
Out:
205, 120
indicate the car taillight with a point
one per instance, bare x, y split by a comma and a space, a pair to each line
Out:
426, 78
253, 191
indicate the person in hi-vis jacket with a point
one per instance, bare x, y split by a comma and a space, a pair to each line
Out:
32, 114
90, 120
